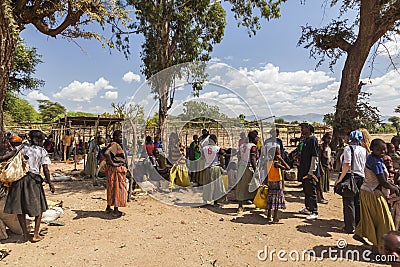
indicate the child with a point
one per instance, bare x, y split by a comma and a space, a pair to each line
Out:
391, 246
276, 198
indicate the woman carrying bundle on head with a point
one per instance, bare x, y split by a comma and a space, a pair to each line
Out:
26, 195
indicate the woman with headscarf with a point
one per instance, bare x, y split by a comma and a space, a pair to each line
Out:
376, 219
246, 169
356, 153
117, 194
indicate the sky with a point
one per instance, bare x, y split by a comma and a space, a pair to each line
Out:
265, 74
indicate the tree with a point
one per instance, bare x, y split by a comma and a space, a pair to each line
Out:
51, 110
53, 18
180, 31
328, 119
20, 110
397, 110
21, 79
374, 23
395, 122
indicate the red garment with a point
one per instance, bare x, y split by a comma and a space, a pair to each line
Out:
149, 149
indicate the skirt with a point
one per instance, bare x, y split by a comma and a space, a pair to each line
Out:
117, 194
179, 175
375, 217
324, 180
242, 188
276, 198
214, 188
26, 196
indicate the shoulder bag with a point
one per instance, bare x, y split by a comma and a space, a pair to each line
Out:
348, 187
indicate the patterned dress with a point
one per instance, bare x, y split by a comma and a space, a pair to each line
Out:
117, 194
276, 198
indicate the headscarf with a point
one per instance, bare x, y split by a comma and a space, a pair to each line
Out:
356, 136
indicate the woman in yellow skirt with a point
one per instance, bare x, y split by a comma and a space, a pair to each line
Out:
375, 217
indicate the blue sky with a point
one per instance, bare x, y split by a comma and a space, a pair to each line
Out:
83, 76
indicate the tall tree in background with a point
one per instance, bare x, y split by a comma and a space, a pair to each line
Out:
375, 22
51, 18
51, 110
181, 31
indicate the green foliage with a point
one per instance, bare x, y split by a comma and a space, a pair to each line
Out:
19, 110
385, 128
152, 122
395, 122
80, 114
397, 110
368, 116
26, 60
197, 111
51, 111
280, 121
328, 119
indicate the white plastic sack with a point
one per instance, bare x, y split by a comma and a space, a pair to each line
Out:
52, 214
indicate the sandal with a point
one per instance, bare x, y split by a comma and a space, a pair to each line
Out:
36, 239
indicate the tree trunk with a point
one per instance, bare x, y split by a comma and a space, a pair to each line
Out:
162, 107
350, 87
8, 42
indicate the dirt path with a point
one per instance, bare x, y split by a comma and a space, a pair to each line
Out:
154, 234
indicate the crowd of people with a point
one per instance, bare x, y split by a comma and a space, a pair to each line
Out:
369, 214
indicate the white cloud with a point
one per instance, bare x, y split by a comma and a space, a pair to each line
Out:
110, 95
83, 91
130, 76
36, 95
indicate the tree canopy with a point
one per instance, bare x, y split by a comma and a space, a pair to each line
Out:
53, 18
375, 21
180, 31
51, 110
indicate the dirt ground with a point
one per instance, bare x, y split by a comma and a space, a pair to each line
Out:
155, 234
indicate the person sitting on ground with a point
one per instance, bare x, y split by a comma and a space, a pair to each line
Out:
157, 143
276, 198
26, 195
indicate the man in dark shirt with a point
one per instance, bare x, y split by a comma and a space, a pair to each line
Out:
308, 170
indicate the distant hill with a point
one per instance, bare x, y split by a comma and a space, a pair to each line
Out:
309, 117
